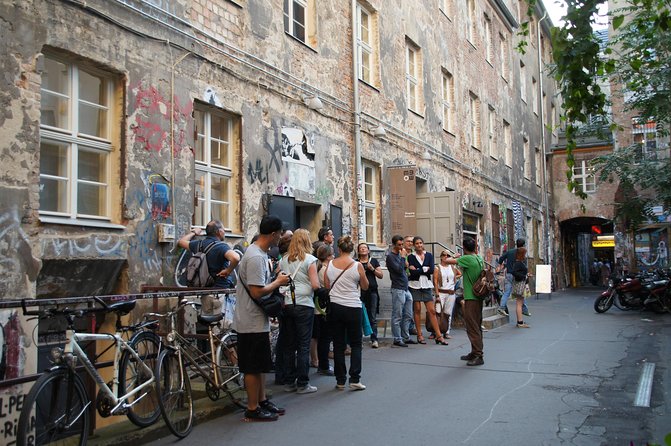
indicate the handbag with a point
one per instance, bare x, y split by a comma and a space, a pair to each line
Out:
527, 291
271, 304
323, 294
365, 322
442, 317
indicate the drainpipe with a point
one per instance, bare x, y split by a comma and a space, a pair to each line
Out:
546, 203
357, 126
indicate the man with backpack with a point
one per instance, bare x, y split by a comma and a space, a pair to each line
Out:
212, 262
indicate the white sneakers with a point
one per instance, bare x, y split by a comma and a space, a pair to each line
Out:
306, 389
357, 386
374, 344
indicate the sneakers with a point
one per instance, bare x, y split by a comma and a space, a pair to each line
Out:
523, 325
374, 344
409, 341
269, 406
260, 414
357, 386
290, 387
477, 360
503, 311
526, 313
467, 357
340, 386
306, 389
400, 344
326, 372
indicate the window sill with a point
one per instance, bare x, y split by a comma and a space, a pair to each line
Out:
305, 44
79, 222
369, 85
450, 132
445, 15
494, 157
489, 62
415, 113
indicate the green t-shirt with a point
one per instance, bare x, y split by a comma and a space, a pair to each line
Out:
471, 265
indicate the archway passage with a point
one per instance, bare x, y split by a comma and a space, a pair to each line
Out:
588, 246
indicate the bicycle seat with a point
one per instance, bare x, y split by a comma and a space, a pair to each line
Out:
210, 319
123, 307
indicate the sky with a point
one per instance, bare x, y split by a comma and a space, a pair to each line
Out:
556, 9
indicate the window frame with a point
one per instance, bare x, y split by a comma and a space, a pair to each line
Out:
475, 118
472, 25
526, 147
363, 47
447, 100
504, 54
412, 78
582, 176
537, 161
75, 142
489, 53
534, 95
523, 83
290, 21
491, 132
370, 203
508, 143
208, 169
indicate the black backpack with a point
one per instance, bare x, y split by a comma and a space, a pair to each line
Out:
197, 270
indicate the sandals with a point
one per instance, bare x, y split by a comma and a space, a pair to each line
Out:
441, 341
420, 340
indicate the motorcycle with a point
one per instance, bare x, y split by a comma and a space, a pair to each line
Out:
649, 290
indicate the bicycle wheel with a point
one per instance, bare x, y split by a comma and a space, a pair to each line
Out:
227, 361
144, 410
55, 412
174, 391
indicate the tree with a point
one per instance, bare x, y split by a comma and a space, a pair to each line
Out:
639, 59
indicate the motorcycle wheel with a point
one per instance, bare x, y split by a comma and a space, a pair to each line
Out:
603, 303
657, 307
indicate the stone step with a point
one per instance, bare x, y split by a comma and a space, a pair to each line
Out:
494, 321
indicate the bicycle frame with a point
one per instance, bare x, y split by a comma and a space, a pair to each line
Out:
73, 351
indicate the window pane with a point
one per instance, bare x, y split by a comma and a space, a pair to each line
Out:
365, 66
92, 120
54, 110
199, 117
92, 88
200, 219
92, 166
299, 31
53, 159
219, 187
91, 199
364, 27
200, 184
53, 195
220, 211
299, 21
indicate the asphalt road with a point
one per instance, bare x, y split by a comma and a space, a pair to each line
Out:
572, 378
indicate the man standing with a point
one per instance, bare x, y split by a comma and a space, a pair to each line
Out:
471, 265
509, 259
408, 249
251, 322
401, 300
221, 259
324, 236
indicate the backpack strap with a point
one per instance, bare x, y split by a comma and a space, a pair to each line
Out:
208, 248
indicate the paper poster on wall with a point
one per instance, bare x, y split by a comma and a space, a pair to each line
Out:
543, 279
296, 147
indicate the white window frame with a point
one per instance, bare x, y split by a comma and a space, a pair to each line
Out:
365, 48
585, 176
471, 15
370, 202
448, 103
412, 76
489, 56
523, 82
507, 143
475, 118
491, 125
534, 95
505, 57
539, 170
76, 142
290, 19
208, 169
527, 159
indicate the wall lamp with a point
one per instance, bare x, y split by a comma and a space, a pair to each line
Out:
313, 102
426, 156
378, 131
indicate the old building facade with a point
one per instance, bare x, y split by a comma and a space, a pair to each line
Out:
126, 122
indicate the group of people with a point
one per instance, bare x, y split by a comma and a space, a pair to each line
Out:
302, 267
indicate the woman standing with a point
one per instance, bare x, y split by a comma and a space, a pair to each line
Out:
298, 313
370, 297
520, 276
321, 338
344, 276
421, 267
444, 281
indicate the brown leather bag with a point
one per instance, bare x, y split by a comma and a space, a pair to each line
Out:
443, 319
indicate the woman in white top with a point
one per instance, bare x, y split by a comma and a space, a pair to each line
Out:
298, 315
344, 276
444, 281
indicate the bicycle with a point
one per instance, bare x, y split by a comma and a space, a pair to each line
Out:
218, 368
57, 408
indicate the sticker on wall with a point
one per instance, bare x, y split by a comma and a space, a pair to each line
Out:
160, 197
296, 147
210, 96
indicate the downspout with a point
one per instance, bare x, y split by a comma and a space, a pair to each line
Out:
357, 125
546, 201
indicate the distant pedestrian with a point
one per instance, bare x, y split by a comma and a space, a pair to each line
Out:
472, 264
506, 262
370, 297
520, 274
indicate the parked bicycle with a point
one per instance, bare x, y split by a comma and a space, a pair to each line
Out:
57, 408
180, 360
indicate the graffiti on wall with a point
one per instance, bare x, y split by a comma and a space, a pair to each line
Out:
299, 156
16, 255
95, 245
160, 197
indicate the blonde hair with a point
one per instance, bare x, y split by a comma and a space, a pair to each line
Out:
300, 245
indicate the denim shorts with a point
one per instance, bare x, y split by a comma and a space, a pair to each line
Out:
422, 294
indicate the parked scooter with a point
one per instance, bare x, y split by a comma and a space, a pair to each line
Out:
647, 290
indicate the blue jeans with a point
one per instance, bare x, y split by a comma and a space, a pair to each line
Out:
345, 326
401, 313
297, 325
508, 290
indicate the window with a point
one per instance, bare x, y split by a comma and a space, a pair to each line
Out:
365, 45
505, 59
553, 121
529, 228
475, 120
645, 138
496, 229
584, 175
299, 20
491, 123
470, 10
447, 6
544, 109
539, 166
448, 101
216, 151
76, 141
534, 95
489, 56
527, 159
523, 82
370, 201
507, 144
413, 72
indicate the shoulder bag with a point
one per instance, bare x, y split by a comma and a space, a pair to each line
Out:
323, 294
